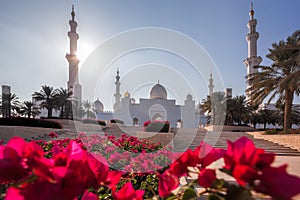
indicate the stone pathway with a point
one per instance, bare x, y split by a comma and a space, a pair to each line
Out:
184, 139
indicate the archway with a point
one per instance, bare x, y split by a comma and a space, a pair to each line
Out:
135, 121
157, 117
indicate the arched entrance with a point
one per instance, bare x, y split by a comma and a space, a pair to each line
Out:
135, 121
158, 117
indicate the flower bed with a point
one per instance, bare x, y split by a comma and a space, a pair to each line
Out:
127, 168
165, 139
156, 126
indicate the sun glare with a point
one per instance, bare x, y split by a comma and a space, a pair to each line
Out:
83, 51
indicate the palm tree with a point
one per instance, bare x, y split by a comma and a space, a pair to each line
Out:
30, 109
63, 98
295, 114
240, 109
10, 104
267, 116
281, 79
87, 106
48, 97
215, 106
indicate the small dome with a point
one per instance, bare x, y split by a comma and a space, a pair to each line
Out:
158, 92
98, 106
127, 94
189, 97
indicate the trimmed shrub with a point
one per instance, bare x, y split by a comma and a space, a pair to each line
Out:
157, 126
93, 121
271, 132
31, 122
116, 121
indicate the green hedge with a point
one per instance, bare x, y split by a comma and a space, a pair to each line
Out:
93, 121
158, 126
113, 121
20, 121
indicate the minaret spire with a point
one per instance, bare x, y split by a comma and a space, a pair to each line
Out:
73, 82
251, 13
252, 59
73, 13
211, 84
117, 95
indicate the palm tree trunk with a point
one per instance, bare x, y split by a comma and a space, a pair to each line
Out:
62, 111
287, 124
49, 112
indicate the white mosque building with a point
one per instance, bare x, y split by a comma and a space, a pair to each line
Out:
156, 107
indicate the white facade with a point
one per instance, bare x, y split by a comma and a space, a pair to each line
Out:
157, 107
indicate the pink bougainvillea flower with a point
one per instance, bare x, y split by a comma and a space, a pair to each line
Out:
11, 168
21, 158
207, 177
53, 135
179, 168
244, 160
205, 154
89, 196
36, 161
244, 173
71, 171
276, 182
11, 161
167, 182
201, 157
101, 172
128, 192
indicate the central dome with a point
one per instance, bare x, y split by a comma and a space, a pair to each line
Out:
158, 92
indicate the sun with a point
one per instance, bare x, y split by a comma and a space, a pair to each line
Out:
84, 49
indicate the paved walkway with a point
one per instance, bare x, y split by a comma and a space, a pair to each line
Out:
184, 140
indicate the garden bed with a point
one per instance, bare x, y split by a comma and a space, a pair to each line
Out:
165, 139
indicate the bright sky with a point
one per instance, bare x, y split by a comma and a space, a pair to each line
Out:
34, 43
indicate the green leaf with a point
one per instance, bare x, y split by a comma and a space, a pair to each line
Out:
235, 192
226, 171
214, 197
172, 197
219, 183
189, 194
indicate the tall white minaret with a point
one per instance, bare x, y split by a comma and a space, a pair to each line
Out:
73, 83
118, 93
211, 84
252, 37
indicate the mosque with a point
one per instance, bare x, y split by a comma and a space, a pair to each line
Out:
157, 106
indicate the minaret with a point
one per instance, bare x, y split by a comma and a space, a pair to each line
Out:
211, 84
252, 37
118, 93
73, 83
